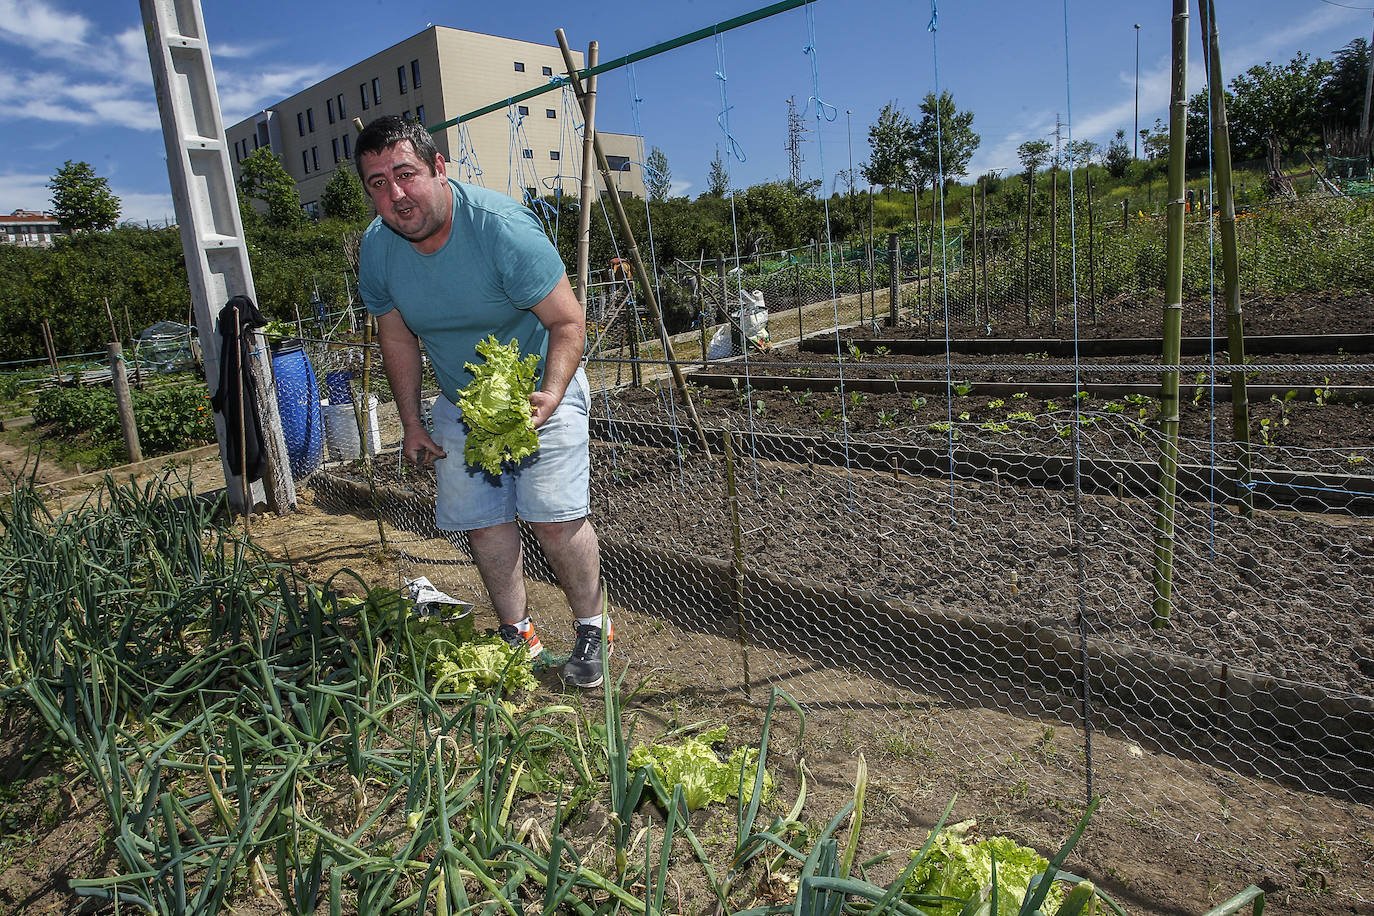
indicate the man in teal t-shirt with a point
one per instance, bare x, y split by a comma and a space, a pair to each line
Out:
447, 264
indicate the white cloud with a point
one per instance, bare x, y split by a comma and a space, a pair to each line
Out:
38, 26
243, 92
24, 191
679, 188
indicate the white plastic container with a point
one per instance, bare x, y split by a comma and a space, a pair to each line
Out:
341, 430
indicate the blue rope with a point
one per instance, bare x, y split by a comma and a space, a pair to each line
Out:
671, 397
810, 52
933, 27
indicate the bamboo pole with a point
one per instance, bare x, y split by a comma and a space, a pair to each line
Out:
1030, 195
1173, 322
361, 413
1054, 247
987, 294
1092, 248
1230, 264
584, 212
635, 257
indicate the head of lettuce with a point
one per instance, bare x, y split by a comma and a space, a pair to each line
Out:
496, 406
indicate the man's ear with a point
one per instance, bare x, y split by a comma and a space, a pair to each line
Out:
440, 166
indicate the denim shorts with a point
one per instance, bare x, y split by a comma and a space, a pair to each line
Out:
552, 485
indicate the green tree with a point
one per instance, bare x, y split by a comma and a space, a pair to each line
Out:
658, 177
892, 145
343, 196
947, 149
1118, 156
1342, 102
81, 201
1279, 102
717, 179
263, 177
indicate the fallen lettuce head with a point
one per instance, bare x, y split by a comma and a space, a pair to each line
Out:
483, 664
703, 776
496, 406
959, 867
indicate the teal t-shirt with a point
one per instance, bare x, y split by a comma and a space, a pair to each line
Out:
495, 266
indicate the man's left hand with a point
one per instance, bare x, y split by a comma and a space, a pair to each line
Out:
542, 406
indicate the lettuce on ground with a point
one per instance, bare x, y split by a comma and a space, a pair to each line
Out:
960, 867
702, 774
496, 406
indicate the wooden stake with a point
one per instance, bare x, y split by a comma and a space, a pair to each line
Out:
120, 380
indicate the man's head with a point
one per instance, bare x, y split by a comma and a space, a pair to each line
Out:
386, 132
407, 179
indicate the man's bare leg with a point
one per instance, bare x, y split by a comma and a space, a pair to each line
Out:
499, 559
575, 557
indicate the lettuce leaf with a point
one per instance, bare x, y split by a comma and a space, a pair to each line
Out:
496, 406
702, 774
960, 867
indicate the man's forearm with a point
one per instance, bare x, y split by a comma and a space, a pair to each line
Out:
401, 360
565, 356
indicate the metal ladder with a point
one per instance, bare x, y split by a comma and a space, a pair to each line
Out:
211, 228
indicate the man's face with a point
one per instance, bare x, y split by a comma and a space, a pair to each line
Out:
414, 202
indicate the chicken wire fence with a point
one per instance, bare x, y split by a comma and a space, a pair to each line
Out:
984, 275
979, 590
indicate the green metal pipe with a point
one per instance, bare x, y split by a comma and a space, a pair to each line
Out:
762, 13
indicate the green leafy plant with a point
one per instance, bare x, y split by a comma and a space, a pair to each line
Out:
496, 406
996, 403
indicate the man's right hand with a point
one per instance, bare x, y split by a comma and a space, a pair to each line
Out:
419, 449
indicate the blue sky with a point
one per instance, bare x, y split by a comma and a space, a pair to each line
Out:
75, 84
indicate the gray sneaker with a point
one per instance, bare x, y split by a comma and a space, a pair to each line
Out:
586, 667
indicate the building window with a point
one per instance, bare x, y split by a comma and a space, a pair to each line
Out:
519, 67
377, 89
405, 115
362, 90
420, 113
348, 154
300, 123
335, 144
532, 193
315, 158
553, 154
550, 113
547, 71
415, 73
528, 153
339, 100
329, 109
618, 163
310, 119
401, 78
305, 162
523, 109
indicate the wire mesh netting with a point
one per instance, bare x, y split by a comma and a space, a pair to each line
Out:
964, 547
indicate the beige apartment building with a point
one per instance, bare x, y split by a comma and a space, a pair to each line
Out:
526, 149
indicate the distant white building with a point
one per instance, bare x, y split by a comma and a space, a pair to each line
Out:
29, 228
432, 77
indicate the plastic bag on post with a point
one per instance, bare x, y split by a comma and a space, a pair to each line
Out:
752, 319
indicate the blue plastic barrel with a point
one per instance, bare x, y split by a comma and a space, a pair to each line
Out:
298, 402
340, 386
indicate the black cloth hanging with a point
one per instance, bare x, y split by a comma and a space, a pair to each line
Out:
236, 321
